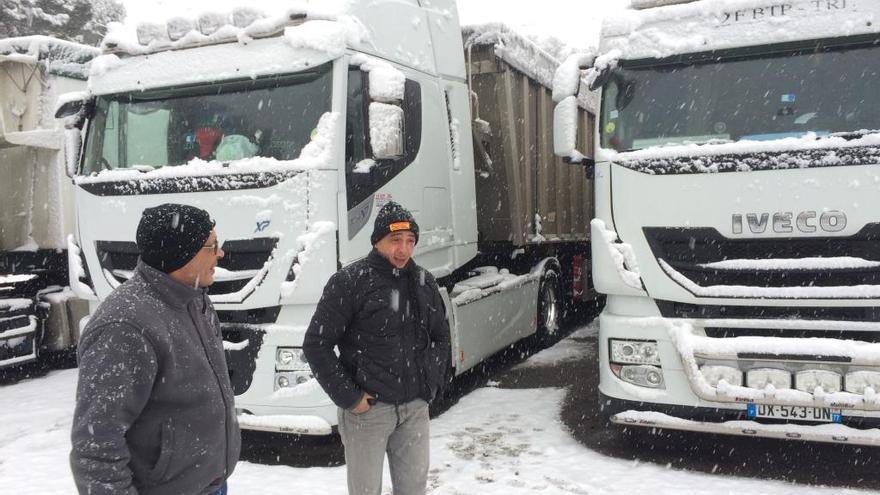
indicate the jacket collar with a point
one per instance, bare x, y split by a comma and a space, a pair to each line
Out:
171, 291
377, 261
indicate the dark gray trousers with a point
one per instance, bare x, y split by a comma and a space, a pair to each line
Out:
401, 432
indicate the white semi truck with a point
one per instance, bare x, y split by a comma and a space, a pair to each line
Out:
38, 313
736, 231
292, 132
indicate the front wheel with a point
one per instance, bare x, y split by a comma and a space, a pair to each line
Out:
548, 308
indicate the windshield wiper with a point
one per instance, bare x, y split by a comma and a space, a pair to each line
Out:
143, 168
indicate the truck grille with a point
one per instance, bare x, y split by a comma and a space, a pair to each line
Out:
242, 262
701, 258
671, 309
726, 333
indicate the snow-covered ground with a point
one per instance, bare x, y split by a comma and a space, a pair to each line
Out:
494, 441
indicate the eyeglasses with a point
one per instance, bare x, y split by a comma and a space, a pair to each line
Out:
213, 247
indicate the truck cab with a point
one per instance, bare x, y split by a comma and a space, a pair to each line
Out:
735, 217
293, 131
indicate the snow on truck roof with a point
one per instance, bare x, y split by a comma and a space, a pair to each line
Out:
663, 28
413, 33
61, 57
524, 55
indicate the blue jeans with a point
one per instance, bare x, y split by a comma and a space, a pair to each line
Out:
221, 491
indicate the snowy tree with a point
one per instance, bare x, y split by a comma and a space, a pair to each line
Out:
83, 21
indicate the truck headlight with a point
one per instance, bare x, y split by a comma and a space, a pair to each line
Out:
291, 359
759, 378
858, 381
808, 380
290, 379
634, 352
714, 375
641, 375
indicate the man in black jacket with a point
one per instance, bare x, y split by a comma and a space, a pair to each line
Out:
387, 318
155, 410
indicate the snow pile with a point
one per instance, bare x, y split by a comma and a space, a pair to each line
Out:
387, 83
60, 57
622, 254
325, 36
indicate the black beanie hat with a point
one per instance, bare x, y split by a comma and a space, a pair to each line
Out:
170, 235
393, 218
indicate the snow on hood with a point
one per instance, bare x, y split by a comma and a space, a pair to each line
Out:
60, 57
319, 153
706, 25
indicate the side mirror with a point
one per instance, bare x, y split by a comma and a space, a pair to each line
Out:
565, 131
565, 126
386, 130
567, 78
596, 78
72, 150
73, 108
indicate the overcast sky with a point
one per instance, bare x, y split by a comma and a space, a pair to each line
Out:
575, 22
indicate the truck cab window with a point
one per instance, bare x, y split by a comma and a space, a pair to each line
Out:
271, 117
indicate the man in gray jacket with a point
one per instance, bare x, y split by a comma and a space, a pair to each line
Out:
154, 405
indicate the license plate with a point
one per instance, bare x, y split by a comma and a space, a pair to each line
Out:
799, 413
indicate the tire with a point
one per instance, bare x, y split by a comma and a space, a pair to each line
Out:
549, 309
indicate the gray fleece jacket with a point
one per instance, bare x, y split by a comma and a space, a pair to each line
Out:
154, 406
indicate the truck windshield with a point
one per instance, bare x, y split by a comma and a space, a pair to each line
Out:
758, 98
268, 117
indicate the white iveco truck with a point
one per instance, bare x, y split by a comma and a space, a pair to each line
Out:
292, 132
737, 230
37, 311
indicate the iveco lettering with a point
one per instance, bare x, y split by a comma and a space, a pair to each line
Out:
787, 222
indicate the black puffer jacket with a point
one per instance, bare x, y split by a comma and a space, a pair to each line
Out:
391, 330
